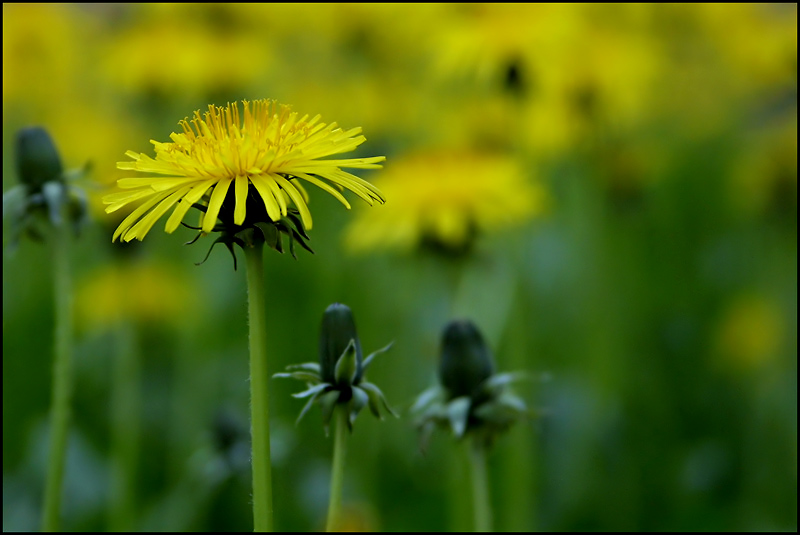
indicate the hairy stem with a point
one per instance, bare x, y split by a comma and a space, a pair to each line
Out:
259, 393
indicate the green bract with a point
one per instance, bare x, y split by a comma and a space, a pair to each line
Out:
255, 228
339, 376
471, 398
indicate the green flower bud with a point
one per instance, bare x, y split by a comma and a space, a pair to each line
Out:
38, 161
338, 329
465, 360
339, 376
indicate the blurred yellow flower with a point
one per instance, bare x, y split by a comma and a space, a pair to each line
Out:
267, 147
571, 69
145, 292
445, 197
756, 42
208, 54
764, 177
483, 40
749, 333
44, 54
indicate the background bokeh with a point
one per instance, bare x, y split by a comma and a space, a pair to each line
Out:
658, 290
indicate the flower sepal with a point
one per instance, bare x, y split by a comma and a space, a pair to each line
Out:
347, 365
251, 233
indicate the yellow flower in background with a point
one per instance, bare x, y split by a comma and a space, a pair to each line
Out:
750, 332
236, 162
445, 197
146, 292
756, 42
208, 53
569, 70
44, 54
483, 40
764, 177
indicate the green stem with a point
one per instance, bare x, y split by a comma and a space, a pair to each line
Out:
457, 504
259, 393
337, 473
518, 459
125, 414
480, 488
62, 379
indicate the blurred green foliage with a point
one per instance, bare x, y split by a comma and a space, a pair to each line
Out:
660, 293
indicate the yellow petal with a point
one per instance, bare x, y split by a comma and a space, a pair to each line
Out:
194, 195
240, 188
297, 199
215, 203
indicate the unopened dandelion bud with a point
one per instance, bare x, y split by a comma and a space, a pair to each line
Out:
38, 161
44, 194
465, 359
471, 399
339, 378
338, 330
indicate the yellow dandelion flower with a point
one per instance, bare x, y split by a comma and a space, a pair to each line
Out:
238, 166
444, 198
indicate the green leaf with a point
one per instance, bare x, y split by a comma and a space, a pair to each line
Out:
15, 202
346, 366
376, 397
434, 393
375, 354
307, 406
457, 414
311, 391
308, 377
502, 379
512, 402
307, 366
55, 197
271, 235
328, 403
358, 401
425, 432
78, 208
503, 411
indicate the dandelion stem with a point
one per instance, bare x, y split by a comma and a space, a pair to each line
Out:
125, 414
62, 379
337, 473
458, 510
480, 488
259, 393
519, 491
